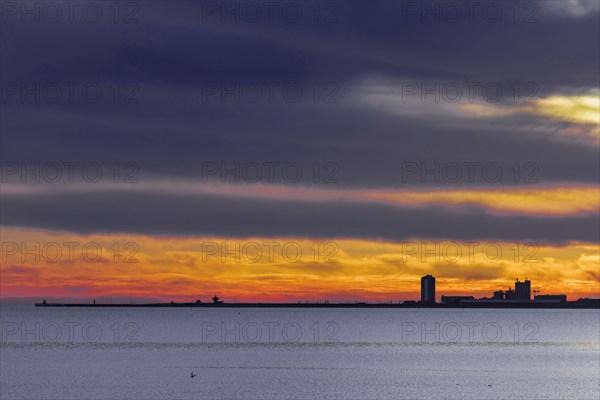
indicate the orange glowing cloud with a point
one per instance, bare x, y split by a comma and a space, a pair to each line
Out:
550, 201
281, 269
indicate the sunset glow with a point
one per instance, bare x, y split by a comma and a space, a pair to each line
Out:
282, 269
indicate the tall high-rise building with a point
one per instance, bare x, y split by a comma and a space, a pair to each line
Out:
428, 289
523, 290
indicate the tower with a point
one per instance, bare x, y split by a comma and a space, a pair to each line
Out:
428, 289
523, 290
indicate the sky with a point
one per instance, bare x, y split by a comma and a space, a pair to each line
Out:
298, 151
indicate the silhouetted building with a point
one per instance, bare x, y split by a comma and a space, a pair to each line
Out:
498, 295
428, 289
509, 294
455, 299
523, 290
589, 301
216, 300
555, 298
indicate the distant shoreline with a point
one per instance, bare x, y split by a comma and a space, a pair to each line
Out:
475, 304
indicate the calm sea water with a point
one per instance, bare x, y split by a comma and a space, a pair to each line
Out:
125, 353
